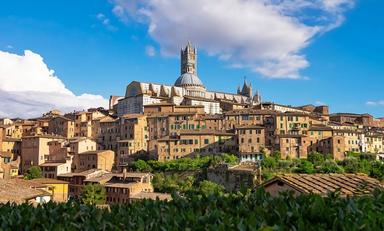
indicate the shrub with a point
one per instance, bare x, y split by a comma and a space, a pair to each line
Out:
351, 165
142, 166
33, 173
210, 188
305, 167
316, 158
330, 166
269, 163
255, 211
93, 194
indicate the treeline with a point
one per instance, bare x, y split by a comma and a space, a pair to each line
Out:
185, 175
319, 163
252, 211
184, 164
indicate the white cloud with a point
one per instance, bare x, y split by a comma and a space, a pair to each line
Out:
106, 22
266, 36
150, 51
29, 88
375, 103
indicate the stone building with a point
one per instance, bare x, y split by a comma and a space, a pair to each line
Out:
251, 142
188, 89
34, 150
62, 126
99, 159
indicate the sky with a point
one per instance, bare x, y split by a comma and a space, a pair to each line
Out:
72, 55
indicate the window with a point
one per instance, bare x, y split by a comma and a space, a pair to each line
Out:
206, 141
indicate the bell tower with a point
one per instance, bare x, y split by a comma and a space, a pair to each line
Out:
188, 58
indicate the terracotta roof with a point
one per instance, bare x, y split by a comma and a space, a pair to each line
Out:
133, 116
48, 181
52, 164
250, 112
19, 191
320, 128
94, 152
249, 126
322, 184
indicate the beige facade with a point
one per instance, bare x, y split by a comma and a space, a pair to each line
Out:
293, 146
11, 146
293, 123
52, 169
374, 143
34, 149
251, 139
62, 126
352, 140
100, 159
189, 143
80, 145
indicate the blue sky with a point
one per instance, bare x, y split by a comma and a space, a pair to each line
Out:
94, 48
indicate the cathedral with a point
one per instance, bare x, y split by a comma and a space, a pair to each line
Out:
188, 89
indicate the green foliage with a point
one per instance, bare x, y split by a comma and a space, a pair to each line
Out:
33, 173
210, 188
276, 155
254, 211
305, 167
316, 158
269, 163
184, 164
230, 159
351, 165
93, 194
377, 170
368, 156
330, 166
142, 166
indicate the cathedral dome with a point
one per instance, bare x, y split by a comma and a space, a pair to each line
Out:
188, 79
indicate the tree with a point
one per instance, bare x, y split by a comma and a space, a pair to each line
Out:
330, 166
316, 158
276, 155
351, 165
210, 188
33, 173
93, 194
230, 158
142, 166
269, 163
305, 167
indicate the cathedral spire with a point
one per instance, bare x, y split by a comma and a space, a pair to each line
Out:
188, 58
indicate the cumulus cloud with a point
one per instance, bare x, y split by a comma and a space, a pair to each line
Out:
150, 51
375, 103
29, 88
266, 36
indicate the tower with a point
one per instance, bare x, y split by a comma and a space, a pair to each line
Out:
257, 98
247, 89
188, 58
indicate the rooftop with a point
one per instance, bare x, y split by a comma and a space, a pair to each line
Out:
322, 184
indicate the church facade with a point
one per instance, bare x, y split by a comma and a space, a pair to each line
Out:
188, 89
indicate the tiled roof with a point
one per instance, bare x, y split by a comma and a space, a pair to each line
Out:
48, 181
19, 191
322, 184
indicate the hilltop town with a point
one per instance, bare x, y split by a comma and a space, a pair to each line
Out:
163, 123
